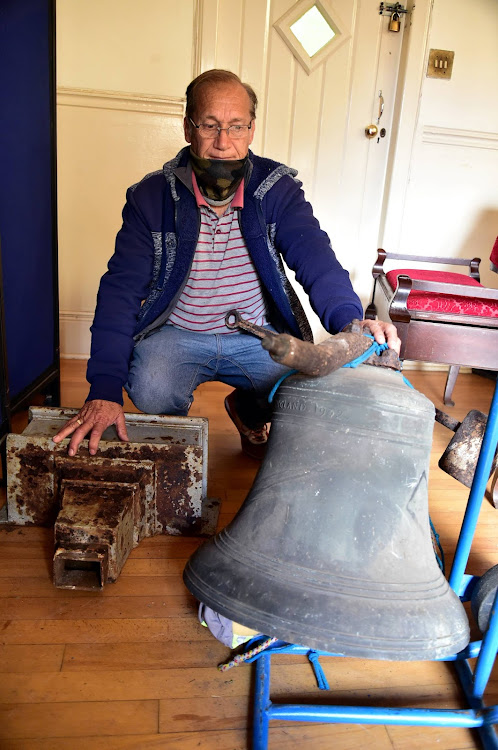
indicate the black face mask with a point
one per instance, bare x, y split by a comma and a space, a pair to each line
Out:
218, 179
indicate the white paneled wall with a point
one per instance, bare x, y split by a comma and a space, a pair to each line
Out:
122, 70
122, 45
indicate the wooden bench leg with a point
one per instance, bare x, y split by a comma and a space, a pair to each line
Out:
371, 312
450, 384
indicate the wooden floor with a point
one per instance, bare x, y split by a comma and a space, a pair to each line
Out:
131, 667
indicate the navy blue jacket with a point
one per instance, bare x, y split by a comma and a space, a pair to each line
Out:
154, 251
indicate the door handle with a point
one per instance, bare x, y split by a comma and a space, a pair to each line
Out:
381, 106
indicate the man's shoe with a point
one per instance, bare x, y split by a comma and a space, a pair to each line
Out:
253, 441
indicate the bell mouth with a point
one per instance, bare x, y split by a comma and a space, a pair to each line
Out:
384, 623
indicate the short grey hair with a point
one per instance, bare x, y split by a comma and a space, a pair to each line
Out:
211, 78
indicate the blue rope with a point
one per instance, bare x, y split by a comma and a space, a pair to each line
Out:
279, 645
375, 348
407, 382
440, 557
321, 680
278, 383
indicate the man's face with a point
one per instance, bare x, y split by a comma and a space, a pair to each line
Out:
221, 104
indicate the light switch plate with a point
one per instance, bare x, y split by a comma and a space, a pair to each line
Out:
440, 63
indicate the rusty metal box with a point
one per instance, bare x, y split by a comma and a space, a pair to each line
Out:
103, 505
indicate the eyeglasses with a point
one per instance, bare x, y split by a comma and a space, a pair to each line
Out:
209, 130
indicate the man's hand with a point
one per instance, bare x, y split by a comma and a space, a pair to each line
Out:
382, 332
94, 417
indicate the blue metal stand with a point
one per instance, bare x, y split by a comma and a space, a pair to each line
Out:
477, 715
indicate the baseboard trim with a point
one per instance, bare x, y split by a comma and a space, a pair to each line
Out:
81, 357
413, 365
75, 333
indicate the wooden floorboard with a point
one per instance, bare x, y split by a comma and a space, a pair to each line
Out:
131, 668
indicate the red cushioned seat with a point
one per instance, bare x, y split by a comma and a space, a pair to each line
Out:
446, 303
435, 320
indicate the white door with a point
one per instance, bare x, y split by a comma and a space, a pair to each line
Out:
443, 199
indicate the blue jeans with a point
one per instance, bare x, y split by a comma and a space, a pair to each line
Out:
168, 365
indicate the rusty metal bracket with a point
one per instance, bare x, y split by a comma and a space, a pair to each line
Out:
102, 506
315, 359
459, 460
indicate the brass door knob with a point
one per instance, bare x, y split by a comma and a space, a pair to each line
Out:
371, 131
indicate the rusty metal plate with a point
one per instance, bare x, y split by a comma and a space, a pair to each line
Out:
460, 457
175, 446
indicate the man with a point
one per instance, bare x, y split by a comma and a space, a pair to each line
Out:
201, 237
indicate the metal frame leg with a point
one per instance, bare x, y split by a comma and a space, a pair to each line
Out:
476, 496
262, 703
477, 716
487, 654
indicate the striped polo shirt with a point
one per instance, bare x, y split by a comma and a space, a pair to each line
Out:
222, 276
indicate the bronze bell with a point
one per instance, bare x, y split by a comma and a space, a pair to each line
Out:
332, 547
